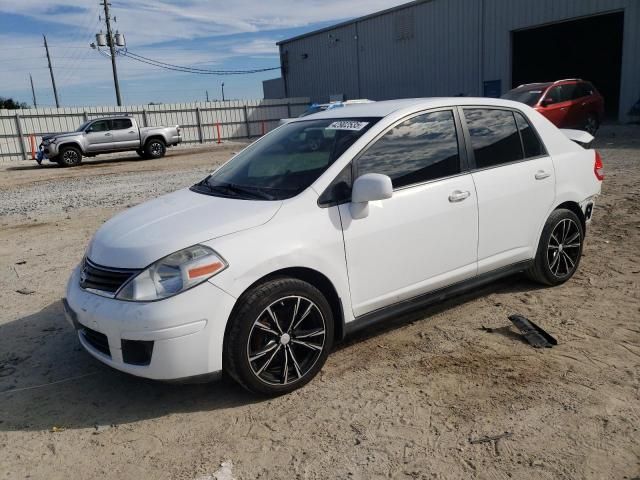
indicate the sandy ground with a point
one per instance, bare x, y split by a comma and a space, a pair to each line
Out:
399, 402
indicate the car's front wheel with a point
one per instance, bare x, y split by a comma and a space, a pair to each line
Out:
559, 250
279, 337
69, 156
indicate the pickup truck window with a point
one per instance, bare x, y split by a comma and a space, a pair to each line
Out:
121, 124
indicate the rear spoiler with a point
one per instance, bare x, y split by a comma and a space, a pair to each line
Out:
582, 138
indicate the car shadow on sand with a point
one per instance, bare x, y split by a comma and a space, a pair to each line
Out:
47, 380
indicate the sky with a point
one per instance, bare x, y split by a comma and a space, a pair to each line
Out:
207, 34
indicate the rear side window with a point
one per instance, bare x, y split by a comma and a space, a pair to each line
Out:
583, 90
530, 141
417, 150
121, 124
494, 136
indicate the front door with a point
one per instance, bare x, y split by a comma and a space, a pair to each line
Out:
425, 236
99, 136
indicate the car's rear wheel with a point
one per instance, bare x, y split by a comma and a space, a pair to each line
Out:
591, 123
155, 148
559, 250
69, 156
279, 338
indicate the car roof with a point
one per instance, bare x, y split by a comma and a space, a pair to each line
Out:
386, 107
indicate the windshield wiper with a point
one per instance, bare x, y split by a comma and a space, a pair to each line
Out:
233, 190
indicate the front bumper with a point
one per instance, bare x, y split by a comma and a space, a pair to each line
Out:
182, 335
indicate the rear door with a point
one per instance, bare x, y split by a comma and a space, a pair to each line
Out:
425, 236
99, 136
125, 135
555, 106
515, 183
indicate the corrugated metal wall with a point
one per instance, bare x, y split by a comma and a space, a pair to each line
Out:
438, 48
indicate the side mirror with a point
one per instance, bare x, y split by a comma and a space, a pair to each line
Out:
547, 101
368, 188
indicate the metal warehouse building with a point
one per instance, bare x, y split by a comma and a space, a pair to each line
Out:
468, 47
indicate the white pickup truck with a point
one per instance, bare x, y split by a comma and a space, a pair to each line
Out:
107, 135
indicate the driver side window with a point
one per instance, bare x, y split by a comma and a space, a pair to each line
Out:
420, 149
99, 126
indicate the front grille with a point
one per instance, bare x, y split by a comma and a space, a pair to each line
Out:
97, 340
104, 279
137, 352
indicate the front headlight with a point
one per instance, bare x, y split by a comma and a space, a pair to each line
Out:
173, 274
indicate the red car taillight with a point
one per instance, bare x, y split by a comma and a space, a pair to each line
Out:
598, 167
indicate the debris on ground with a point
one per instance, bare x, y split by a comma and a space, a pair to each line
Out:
25, 291
532, 333
487, 438
21, 262
56, 429
225, 472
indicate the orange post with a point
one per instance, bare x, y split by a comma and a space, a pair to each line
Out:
263, 127
32, 139
218, 130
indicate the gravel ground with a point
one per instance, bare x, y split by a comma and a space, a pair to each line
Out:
90, 190
402, 401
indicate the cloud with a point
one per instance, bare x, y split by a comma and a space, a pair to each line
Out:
188, 32
155, 21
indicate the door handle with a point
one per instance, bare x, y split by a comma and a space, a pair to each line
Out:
563, 108
132, 131
541, 175
459, 195
107, 134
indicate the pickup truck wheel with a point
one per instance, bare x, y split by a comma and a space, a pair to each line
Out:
69, 156
155, 148
559, 250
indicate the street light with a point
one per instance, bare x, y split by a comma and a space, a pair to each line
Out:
223, 91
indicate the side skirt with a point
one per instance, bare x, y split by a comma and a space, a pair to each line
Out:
372, 318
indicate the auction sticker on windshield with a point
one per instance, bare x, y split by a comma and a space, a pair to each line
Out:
347, 125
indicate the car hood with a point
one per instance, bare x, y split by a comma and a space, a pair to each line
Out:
49, 136
152, 230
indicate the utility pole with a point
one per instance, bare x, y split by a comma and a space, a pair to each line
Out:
223, 91
207, 95
53, 80
33, 92
110, 40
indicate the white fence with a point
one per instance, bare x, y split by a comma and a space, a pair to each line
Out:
21, 129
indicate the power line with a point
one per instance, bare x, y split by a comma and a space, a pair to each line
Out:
184, 69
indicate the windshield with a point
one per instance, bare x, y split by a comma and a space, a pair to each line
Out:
83, 126
529, 95
286, 161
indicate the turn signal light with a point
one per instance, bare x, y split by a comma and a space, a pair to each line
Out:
208, 270
598, 167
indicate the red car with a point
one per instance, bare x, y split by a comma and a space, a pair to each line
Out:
571, 103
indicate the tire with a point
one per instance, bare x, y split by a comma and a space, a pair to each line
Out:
155, 148
591, 124
69, 156
279, 337
559, 249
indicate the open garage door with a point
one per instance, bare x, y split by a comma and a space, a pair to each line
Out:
589, 48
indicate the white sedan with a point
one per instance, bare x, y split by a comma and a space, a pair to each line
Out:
260, 268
